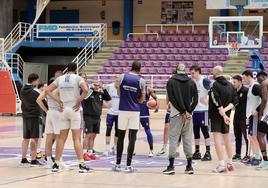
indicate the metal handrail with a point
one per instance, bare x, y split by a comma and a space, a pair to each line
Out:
174, 25
129, 34
16, 62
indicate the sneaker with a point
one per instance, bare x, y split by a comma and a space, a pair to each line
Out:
151, 153
40, 155
35, 163
245, 158
93, 156
220, 169
97, 152
262, 166
63, 165
24, 162
196, 156
116, 168
207, 157
169, 171
255, 162
129, 169
162, 152
230, 167
236, 157
55, 168
189, 170
84, 169
86, 157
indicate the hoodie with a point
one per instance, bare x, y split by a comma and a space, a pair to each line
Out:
29, 106
222, 93
182, 93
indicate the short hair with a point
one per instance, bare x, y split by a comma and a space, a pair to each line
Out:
218, 70
196, 68
40, 84
248, 73
180, 68
32, 77
136, 66
58, 73
262, 73
71, 67
237, 77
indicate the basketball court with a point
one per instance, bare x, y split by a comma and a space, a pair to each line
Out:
230, 35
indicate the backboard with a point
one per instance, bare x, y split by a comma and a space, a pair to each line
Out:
246, 32
228, 4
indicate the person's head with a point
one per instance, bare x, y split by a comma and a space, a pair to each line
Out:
180, 69
237, 81
261, 76
96, 85
195, 71
217, 71
83, 75
33, 79
58, 74
136, 67
41, 86
71, 67
247, 76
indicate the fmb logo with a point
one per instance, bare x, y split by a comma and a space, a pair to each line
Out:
47, 27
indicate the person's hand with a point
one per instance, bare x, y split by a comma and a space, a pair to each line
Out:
157, 107
255, 113
76, 107
222, 112
187, 116
61, 105
226, 120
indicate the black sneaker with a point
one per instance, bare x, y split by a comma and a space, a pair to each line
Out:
236, 157
207, 157
24, 162
169, 171
36, 163
55, 168
84, 169
196, 155
189, 170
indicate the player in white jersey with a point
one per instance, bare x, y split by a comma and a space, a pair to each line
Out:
69, 87
200, 115
112, 118
253, 103
52, 128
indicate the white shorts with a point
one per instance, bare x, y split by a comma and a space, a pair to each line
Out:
69, 119
52, 122
128, 120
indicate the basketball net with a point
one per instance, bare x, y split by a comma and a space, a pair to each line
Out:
233, 48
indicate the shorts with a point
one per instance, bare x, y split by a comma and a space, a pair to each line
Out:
31, 127
52, 124
263, 125
111, 119
217, 125
69, 119
128, 120
200, 118
252, 123
92, 124
167, 118
145, 122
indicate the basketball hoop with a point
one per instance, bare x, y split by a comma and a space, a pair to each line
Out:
233, 48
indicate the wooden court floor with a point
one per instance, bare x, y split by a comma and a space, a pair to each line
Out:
149, 170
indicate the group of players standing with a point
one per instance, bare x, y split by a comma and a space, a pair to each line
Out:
194, 100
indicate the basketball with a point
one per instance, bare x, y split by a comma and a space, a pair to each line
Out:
152, 104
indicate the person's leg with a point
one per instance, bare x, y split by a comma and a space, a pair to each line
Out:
34, 143
218, 147
146, 125
120, 146
86, 146
196, 128
262, 130
109, 126
60, 144
245, 135
238, 138
48, 147
115, 132
24, 148
77, 145
132, 136
228, 146
91, 137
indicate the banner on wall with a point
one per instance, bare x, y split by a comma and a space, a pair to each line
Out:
68, 30
225, 4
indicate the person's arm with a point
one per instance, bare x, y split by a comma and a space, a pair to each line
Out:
152, 93
215, 96
85, 90
40, 102
106, 96
194, 98
50, 89
118, 83
264, 93
142, 87
256, 91
234, 102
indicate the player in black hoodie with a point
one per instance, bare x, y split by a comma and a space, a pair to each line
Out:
183, 97
31, 119
222, 99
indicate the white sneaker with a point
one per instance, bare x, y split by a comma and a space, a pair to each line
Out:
163, 151
63, 165
151, 153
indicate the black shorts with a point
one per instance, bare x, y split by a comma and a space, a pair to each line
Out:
217, 125
263, 125
167, 118
92, 124
31, 127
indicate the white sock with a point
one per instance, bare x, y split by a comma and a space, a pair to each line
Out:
84, 151
222, 163
230, 161
49, 159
